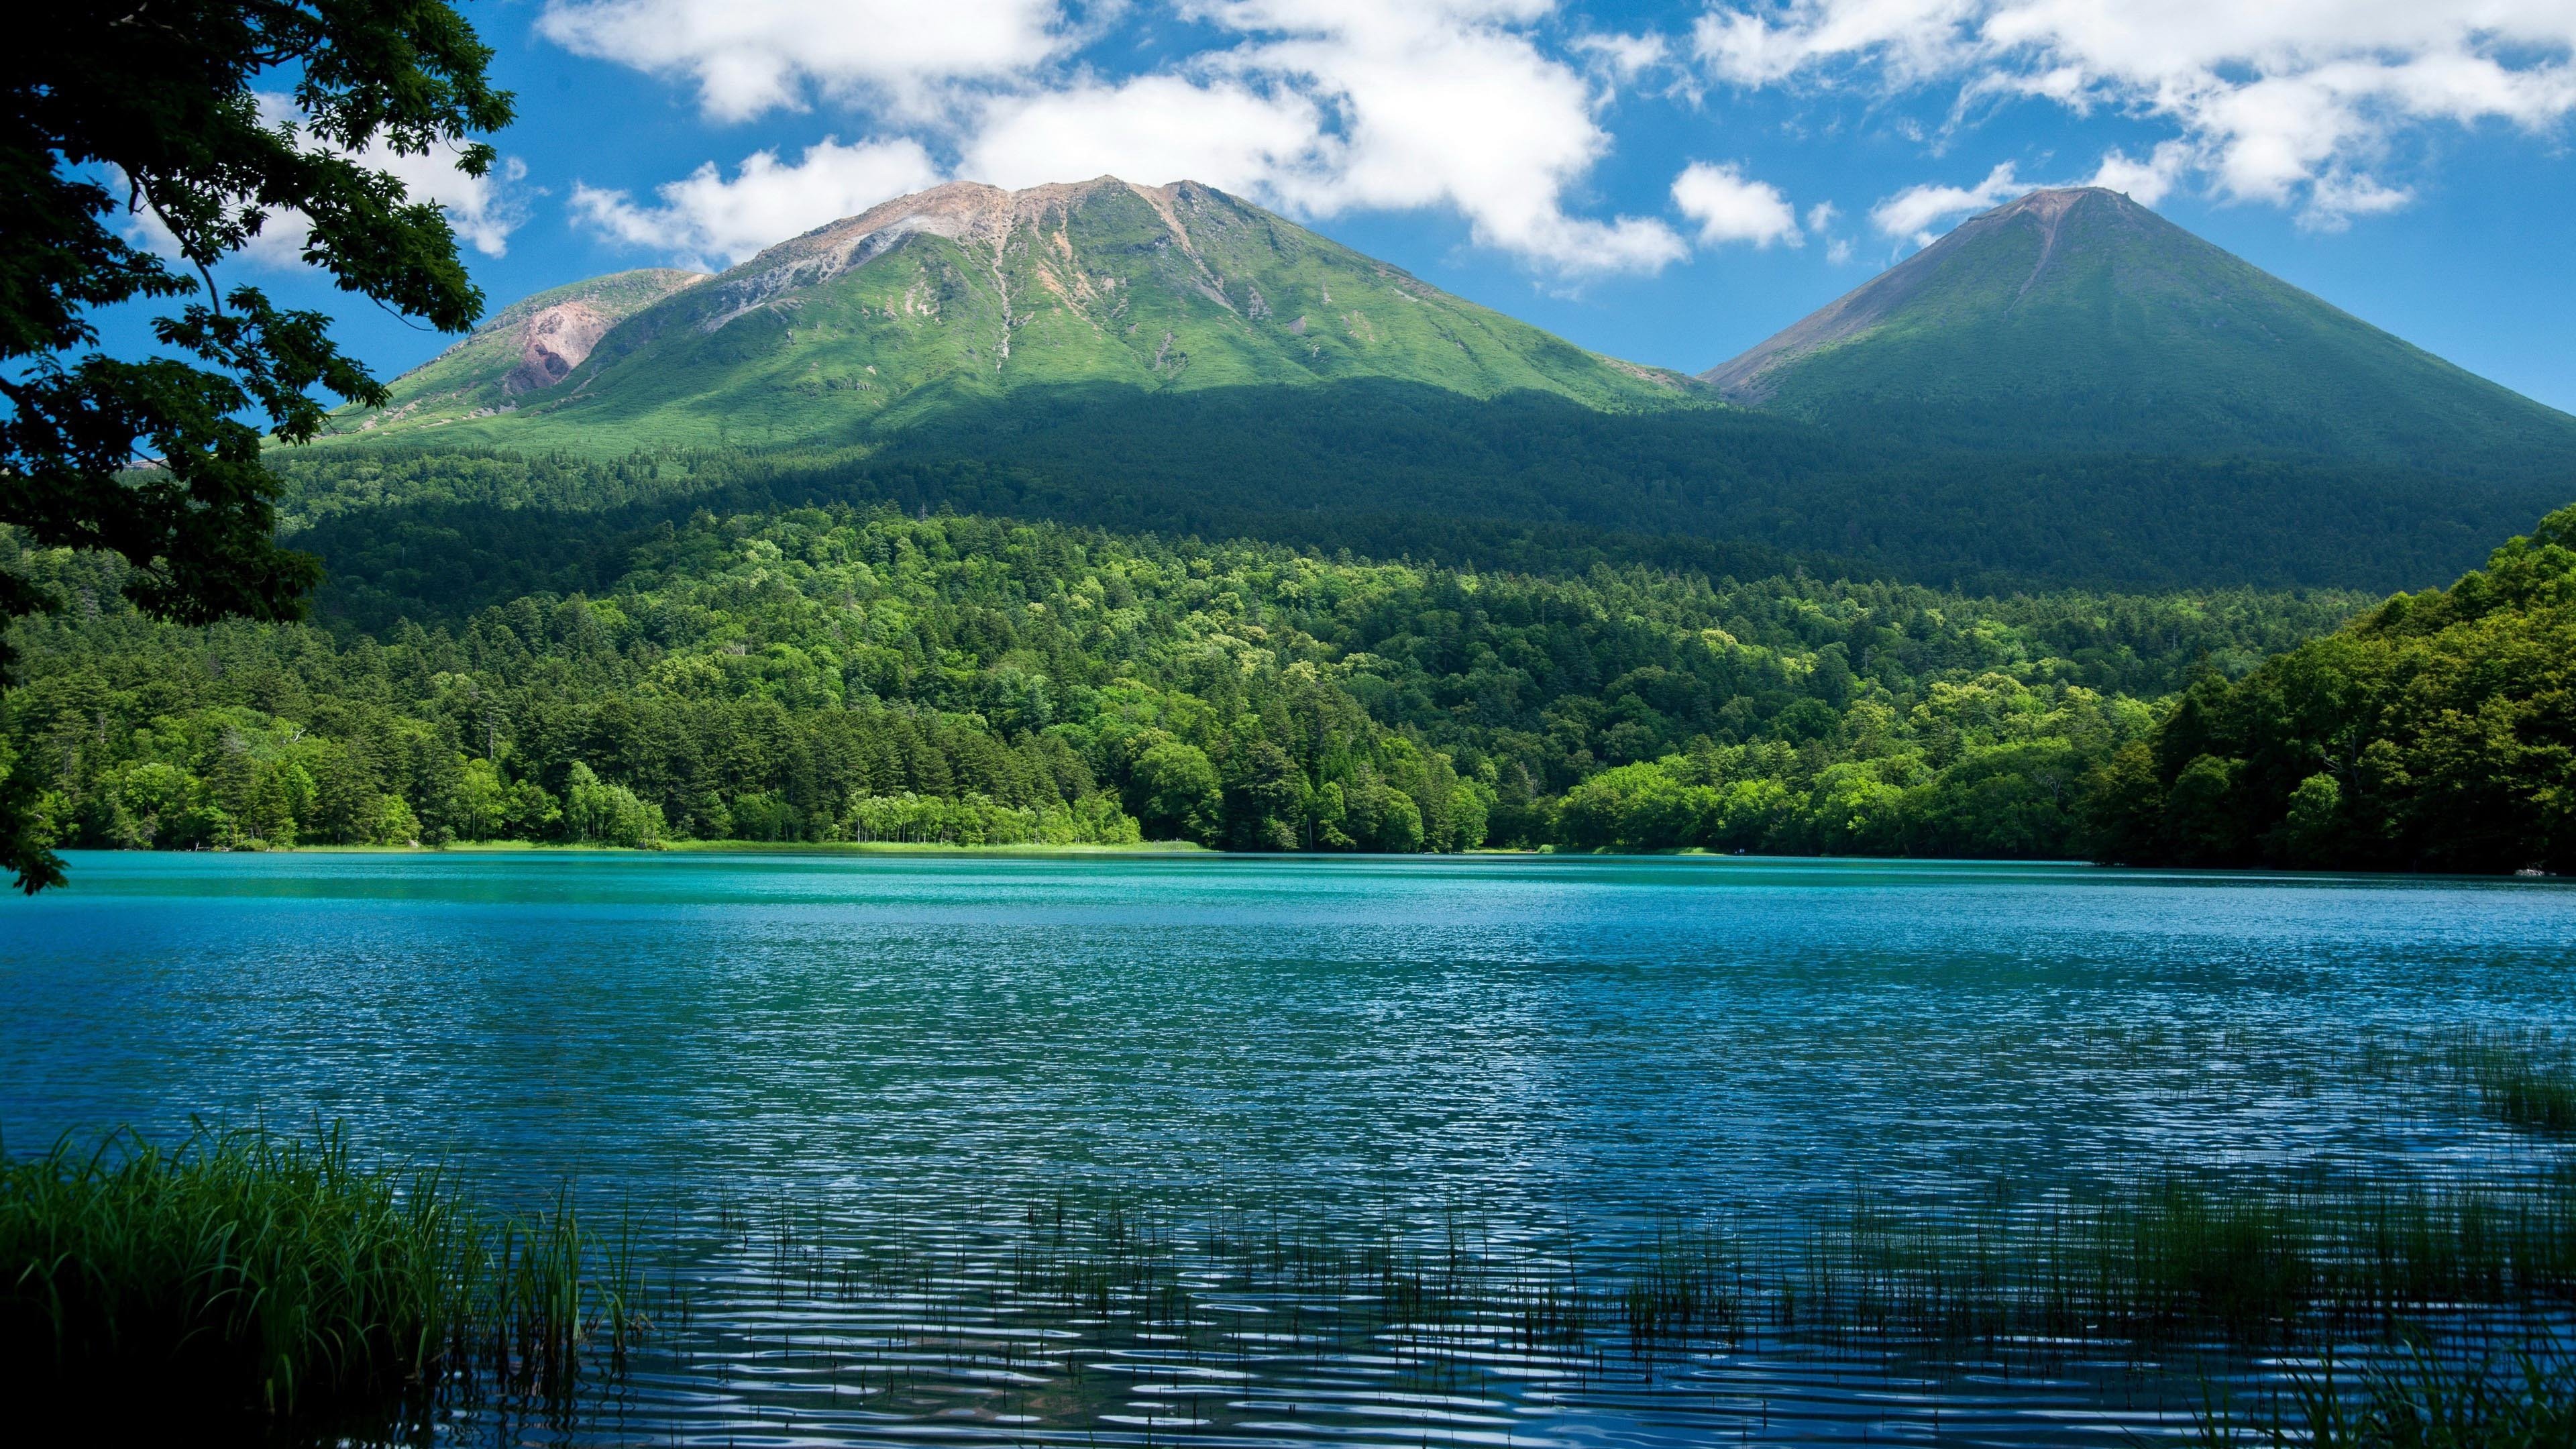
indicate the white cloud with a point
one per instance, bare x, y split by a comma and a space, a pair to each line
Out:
1729, 207
483, 209
2146, 182
750, 56
1923, 212
1626, 57
2285, 101
1319, 107
706, 216
1822, 215
2338, 198
1441, 103
1152, 130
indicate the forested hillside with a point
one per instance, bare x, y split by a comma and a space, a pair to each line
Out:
2436, 732
1420, 474
840, 673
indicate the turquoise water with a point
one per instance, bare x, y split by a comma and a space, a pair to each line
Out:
920, 1050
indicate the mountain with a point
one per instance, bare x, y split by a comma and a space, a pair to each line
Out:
523, 349
2069, 391
2076, 320
967, 293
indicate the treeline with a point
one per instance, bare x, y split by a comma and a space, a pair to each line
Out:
2436, 732
838, 674
1522, 483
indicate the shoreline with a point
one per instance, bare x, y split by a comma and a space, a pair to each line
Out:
726, 847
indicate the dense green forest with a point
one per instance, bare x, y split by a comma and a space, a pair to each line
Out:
830, 673
2436, 732
1395, 469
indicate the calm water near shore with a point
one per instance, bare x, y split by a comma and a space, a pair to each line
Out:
842, 1095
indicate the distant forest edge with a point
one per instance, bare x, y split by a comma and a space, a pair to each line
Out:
1393, 468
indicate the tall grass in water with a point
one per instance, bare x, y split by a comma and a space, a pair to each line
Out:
2426, 1399
2185, 1257
242, 1272
2526, 1080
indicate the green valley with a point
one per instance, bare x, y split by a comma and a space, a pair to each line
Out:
1099, 513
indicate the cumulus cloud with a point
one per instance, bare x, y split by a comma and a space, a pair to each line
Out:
2287, 103
1317, 106
2146, 181
709, 217
1152, 130
751, 56
1446, 102
1730, 207
1920, 213
1626, 58
483, 209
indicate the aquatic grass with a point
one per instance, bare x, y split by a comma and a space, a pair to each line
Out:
244, 1272
2164, 1260
2429, 1396
2186, 1258
2524, 1079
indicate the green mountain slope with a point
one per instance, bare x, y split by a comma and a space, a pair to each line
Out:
2079, 320
968, 292
525, 348
2069, 391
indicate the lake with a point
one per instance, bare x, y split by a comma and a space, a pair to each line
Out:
842, 1093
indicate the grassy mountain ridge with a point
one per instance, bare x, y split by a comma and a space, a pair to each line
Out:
524, 348
2076, 319
967, 292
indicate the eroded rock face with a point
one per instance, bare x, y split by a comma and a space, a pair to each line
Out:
552, 343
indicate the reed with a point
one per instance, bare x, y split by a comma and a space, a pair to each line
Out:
2427, 1397
242, 1272
2189, 1257
2173, 1259
2523, 1079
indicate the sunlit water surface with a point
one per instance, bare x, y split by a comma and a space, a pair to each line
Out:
792, 1065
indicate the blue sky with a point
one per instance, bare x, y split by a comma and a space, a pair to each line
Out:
1669, 183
